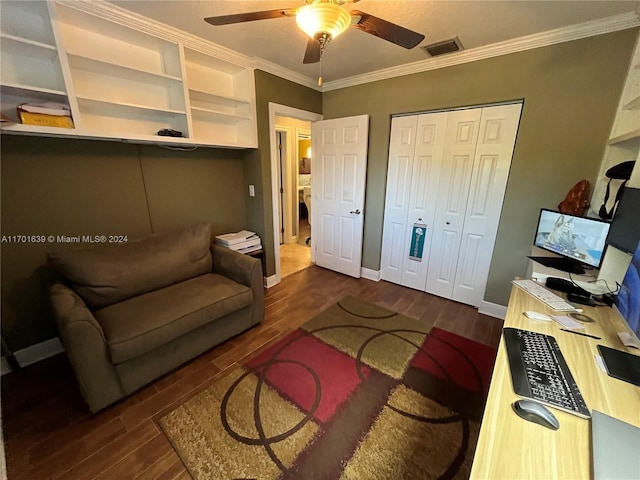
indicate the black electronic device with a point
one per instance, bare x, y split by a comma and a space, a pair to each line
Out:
621, 365
625, 226
580, 241
168, 132
566, 286
581, 299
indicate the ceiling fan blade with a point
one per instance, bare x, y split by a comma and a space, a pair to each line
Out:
313, 52
251, 16
386, 30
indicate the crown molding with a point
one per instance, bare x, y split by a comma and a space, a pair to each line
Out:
529, 42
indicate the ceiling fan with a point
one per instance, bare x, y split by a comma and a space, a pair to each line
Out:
323, 20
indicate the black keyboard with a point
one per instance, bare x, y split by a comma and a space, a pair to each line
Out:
539, 371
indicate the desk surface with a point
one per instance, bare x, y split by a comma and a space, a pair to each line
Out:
510, 447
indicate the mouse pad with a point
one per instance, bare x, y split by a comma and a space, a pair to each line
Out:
621, 365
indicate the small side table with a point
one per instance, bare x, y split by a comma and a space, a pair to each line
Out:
259, 254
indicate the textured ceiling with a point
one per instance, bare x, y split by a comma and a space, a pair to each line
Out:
475, 23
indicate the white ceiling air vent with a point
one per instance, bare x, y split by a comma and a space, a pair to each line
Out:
441, 48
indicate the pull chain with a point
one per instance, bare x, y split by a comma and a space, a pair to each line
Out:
323, 40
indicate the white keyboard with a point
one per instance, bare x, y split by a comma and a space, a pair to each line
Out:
547, 297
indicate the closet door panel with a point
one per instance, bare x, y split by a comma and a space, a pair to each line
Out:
427, 165
496, 141
453, 193
401, 151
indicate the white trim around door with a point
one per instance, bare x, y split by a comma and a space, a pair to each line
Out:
276, 109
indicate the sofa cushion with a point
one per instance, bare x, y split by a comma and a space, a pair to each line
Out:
142, 323
109, 274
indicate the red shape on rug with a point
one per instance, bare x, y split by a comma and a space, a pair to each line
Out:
336, 373
466, 363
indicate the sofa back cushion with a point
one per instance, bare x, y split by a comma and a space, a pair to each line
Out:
109, 274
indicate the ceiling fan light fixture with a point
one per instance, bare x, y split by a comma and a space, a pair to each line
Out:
323, 18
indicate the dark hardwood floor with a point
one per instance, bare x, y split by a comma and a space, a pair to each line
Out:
50, 434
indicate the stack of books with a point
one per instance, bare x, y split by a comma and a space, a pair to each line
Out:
243, 241
47, 114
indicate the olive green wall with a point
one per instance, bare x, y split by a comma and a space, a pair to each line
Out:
270, 88
82, 187
570, 91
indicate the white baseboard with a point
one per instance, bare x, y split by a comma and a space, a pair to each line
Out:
270, 281
370, 274
493, 310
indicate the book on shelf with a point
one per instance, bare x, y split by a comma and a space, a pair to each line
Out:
237, 237
47, 108
43, 120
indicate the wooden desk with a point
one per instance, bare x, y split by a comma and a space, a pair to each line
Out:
512, 448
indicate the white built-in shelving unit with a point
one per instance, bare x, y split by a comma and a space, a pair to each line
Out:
623, 145
125, 77
624, 140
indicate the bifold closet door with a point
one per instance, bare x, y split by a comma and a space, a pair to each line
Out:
494, 151
415, 151
449, 171
455, 177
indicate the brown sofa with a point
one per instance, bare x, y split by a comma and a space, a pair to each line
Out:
129, 313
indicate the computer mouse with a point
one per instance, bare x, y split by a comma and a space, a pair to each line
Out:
536, 413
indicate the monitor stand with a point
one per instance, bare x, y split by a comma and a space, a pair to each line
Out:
560, 263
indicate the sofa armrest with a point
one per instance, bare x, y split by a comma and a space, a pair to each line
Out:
243, 269
86, 347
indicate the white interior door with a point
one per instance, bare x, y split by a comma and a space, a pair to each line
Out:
339, 149
457, 165
415, 155
496, 141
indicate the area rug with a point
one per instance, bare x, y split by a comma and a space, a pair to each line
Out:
359, 392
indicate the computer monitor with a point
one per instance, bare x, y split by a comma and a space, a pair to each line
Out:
580, 241
628, 299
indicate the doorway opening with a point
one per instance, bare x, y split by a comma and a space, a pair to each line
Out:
290, 133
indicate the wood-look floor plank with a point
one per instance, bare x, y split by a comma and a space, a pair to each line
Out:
139, 460
124, 440
167, 467
103, 458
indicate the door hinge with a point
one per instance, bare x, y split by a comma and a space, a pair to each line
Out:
281, 190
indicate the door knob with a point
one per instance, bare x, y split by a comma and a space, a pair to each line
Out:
355, 212
448, 223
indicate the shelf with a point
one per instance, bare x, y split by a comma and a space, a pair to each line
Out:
96, 65
203, 96
28, 21
96, 38
15, 89
20, 127
93, 100
633, 104
633, 135
215, 113
121, 85
33, 43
